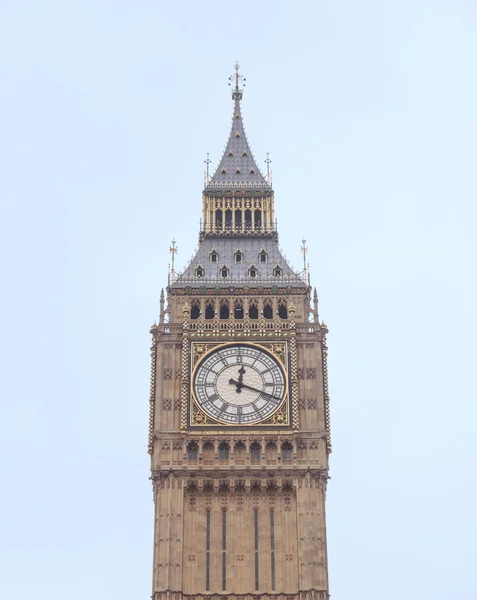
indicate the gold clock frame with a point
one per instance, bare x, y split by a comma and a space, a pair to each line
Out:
197, 418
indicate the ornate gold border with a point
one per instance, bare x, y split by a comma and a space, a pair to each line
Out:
277, 349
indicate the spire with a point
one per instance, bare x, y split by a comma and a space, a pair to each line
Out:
237, 168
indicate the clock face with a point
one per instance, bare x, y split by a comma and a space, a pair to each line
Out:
239, 384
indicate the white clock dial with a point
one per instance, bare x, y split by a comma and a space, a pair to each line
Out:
239, 384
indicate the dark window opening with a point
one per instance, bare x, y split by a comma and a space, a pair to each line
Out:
252, 172
238, 257
199, 272
228, 218
238, 219
214, 257
253, 272
192, 451
253, 311
248, 219
224, 451
218, 219
282, 311
277, 272
258, 219
195, 310
268, 310
287, 451
224, 310
209, 310
238, 309
231, 153
262, 257
224, 272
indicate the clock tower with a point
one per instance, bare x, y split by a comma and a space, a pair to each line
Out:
239, 432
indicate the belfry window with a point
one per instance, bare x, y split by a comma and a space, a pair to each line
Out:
195, 309
199, 272
253, 310
263, 257
214, 257
268, 309
224, 309
282, 309
209, 309
238, 309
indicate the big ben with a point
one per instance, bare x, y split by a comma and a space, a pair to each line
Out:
239, 432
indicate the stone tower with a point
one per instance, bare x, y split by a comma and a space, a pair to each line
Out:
239, 432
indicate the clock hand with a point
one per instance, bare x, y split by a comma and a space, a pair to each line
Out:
239, 385
248, 387
241, 374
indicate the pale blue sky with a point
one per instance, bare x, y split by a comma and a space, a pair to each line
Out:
369, 111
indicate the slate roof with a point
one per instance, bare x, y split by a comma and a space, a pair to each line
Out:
226, 248
239, 165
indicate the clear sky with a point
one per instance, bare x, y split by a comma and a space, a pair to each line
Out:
368, 109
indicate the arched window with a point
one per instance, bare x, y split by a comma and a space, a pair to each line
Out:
253, 309
268, 309
252, 272
255, 452
209, 309
214, 257
224, 272
228, 218
238, 309
258, 219
282, 309
224, 309
238, 257
192, 451
218, 215
263, 257
287, 451
224, 451
195, 309
199, 272
277, 271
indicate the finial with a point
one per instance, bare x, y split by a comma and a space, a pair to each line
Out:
304, 249
268, 161
240, 80
173, 251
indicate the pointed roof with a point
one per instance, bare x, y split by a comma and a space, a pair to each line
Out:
237, 168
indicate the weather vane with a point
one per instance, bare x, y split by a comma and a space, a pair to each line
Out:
239, 82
